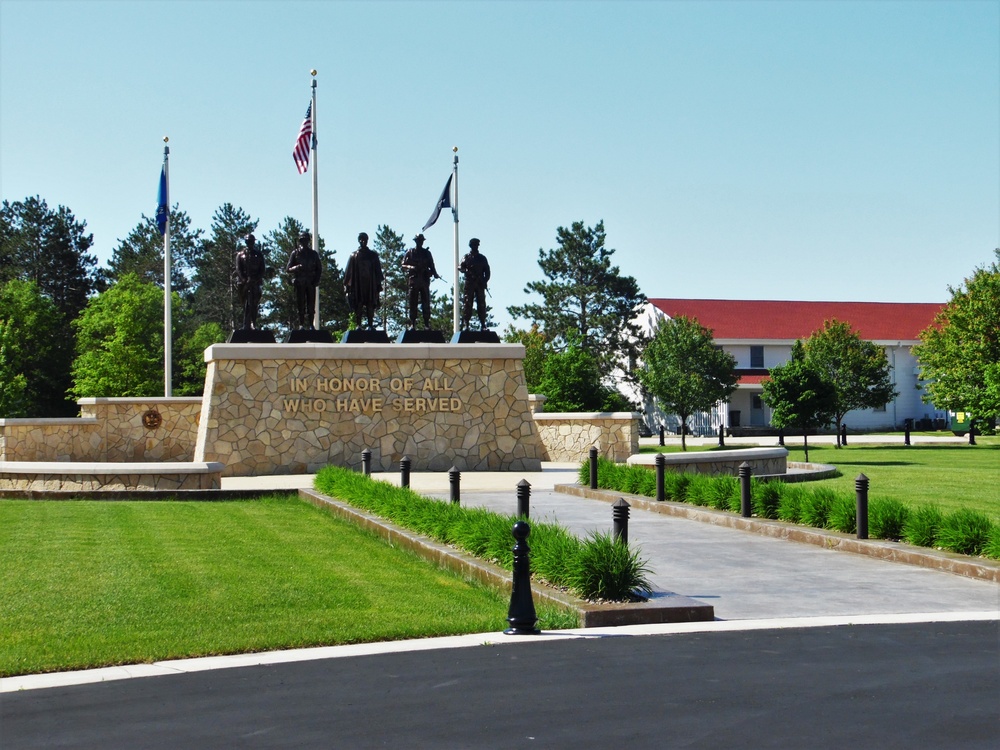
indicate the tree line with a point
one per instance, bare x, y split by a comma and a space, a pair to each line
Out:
69, 329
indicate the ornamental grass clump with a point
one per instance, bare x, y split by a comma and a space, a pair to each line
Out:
922, 524
843, 515
964, 531
724, 491
555, 553
608, 570
992, 548
764, 498
699, 490
790, 503
815, 507
887, 518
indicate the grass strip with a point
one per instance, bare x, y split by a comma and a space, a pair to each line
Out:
818, 504
89, 583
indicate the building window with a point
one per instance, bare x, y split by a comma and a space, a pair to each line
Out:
757, 357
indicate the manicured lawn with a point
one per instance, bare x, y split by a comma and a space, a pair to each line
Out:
952, 476
87, 584
949, 476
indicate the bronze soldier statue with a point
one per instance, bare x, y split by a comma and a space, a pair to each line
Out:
363, 281
305, 267
419, 266
250, 275
477, 275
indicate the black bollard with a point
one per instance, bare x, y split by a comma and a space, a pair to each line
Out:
593, 468
366, 462
972, 432
619, 518
455, 479
722, 438
781, 438
521, 613
661, 434
661, 463
861, 496
745, 505
404, 471
843, 434
906, 434
523, 495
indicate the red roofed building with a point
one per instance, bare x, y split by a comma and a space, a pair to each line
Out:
760, 334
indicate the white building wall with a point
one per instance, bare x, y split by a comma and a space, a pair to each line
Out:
907, 405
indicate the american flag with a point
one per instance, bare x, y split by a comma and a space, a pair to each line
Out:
301, 152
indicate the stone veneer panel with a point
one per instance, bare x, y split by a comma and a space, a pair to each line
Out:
108, 429
569, 437
292, 408
763, 461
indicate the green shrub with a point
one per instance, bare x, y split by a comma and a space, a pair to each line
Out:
764, 498
843, 514
608, 570
815, 507
555, 553
790, 503
922, 524
965, 531
886, 518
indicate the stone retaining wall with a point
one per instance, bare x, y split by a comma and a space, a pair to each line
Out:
295, 408
43, 476
762, 461
569, 437
108, 429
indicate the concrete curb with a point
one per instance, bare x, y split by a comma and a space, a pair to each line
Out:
662, 607
948, 562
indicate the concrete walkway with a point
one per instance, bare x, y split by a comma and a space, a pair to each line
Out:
743, 575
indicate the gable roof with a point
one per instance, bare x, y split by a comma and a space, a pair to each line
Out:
784, 321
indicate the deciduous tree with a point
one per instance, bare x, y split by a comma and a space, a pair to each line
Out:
119, 341
684, 370
859, 370
959, 354
36, 348
800, 395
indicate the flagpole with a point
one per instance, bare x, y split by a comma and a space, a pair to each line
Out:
315, 194
454, 213
167, 316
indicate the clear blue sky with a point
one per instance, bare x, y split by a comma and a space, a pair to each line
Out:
782, 150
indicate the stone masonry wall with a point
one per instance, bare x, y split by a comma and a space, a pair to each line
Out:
443, 405
569, 437
108, 429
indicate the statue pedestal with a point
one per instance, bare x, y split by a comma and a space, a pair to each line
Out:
475, 337
294, 409
308, 336
365, 336
250, 336
420, 337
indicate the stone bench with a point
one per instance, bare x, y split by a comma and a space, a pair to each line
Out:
91, 476
763, 461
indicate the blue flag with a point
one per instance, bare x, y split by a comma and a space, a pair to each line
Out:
443, 202
162, 209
